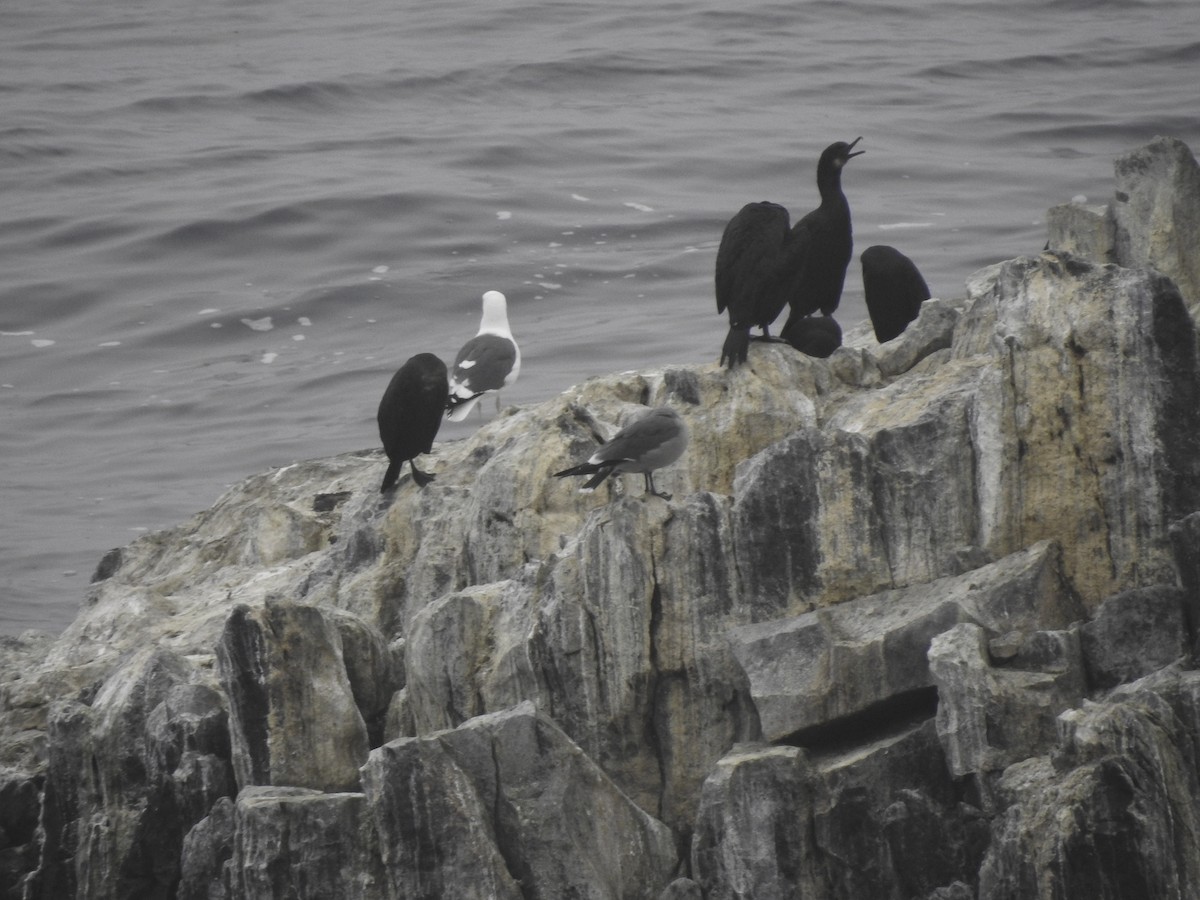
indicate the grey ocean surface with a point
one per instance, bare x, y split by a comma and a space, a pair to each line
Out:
224, 225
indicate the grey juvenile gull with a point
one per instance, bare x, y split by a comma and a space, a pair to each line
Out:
487, 362
763, 265
410, 414
655, 440
893, 288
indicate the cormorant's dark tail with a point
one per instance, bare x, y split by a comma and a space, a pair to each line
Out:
390, 476
737, 346
421, 478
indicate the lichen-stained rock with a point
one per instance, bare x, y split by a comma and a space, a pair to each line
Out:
837, 662
304, 844
507, 799
293, 719
1090, 429
1156, 211
882, 495
1153, 220
1115, 814
754, 829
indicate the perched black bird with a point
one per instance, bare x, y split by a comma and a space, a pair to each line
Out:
763, 264
894, 290
410, 413
655, 440
813, 335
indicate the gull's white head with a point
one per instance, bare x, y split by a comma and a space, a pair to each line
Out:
495, 314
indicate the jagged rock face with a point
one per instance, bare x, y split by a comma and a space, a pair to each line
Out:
508, 800
295, 720
1153, 220
901, 596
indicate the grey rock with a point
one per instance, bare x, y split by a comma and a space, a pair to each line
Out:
205, 867
1185, 542
293, 717
837, 662
681, 889
1152, 222
932, 331
1156, 212
1127, 449
1082, 230
304, 844
1110, 815
507, 799
991, 717
892, 822
754, 829
1133, 634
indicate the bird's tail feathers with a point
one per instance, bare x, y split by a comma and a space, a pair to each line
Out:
458, 408
592, 483
582, 469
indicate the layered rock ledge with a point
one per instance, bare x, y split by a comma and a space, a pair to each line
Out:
920, 622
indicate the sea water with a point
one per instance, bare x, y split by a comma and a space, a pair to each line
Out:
224, 225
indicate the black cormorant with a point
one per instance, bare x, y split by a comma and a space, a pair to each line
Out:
893, 288
763, 264
410, 413
813, 335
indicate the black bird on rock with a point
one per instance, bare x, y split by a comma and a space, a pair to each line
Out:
893, 288
813, 335
410, 413
655, 440
764, 265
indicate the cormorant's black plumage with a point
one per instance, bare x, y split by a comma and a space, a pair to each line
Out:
813, 335
763, 264
410, 413
893, 288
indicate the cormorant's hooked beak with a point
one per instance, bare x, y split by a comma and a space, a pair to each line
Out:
850, 156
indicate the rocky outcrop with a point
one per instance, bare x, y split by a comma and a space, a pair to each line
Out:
1153, 220
919, 622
